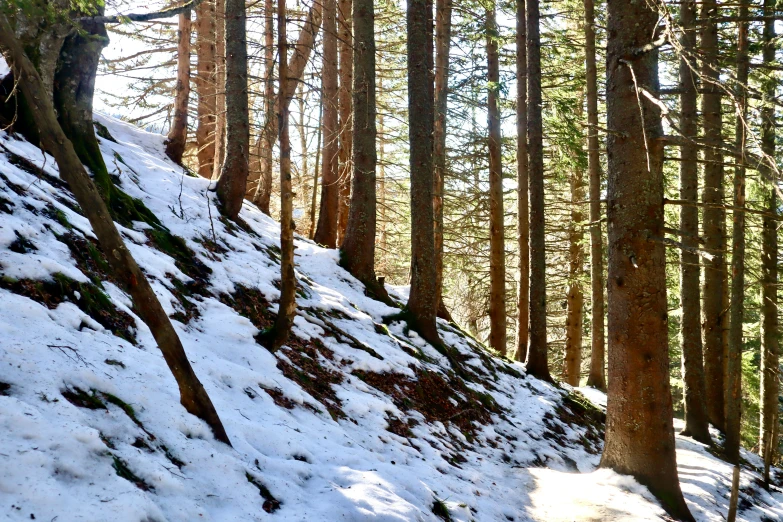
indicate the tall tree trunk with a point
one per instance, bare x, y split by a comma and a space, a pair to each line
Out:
523, 223
358, 248
714, 218
537, 363
317, 169
596, 377
423, 299
346, 111
442, 49
696, 420
233, 174
281, 330
178, 134
497, 261
733, 375
326, 233
192, 394
262, 194
205, 87
639, 437
770, 334
220, 85
382, 178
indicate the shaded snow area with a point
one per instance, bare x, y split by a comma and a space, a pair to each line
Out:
356, 419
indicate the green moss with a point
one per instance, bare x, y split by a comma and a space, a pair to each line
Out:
122, 470
83, 399
58, 215
440, 510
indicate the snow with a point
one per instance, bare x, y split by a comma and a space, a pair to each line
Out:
59, 461
4, 69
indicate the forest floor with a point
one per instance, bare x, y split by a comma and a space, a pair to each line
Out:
356, 419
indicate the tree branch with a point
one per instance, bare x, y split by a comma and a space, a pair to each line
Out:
141, 17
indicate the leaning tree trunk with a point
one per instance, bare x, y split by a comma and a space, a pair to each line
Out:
696, 420
423, 299
205, 87
193, 396
326, 232
178, 135
596, 377
233, 174
346, 72
262, 172
713, 317
497, 262
523, 223
537, 363
639, 437
770, 334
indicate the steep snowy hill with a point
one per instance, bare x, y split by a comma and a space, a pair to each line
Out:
356, 419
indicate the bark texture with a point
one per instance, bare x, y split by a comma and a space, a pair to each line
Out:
220, 86
344, 23
261, 173
178, 134
523, 223
205, 87
639, 437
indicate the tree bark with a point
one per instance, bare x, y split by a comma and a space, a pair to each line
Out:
317, 169
639, 437
423, 299
205, 87
262, 194
326, 233
596, 377
770, 334
537, 363
497, 265
442, 49
696, 419
178, 134
523, 223
346, 72
221, 45
714, 218
192, 394
231, 186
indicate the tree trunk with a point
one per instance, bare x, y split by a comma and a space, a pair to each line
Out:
205, 87
770, 335
178, 134
192, 394
266, 139
221, 20
639, 437
317, 169
497, 265
423, 299
596, 377
326, 233
714, 218
442, 49
346, 99
523, 225
537, 363
696, 420
233, 174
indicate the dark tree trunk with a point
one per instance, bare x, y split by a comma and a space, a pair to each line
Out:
346, 72
537, 363
233, 175
639, 437
696, 420
326, 233
423, 300
192, 394
205, 87
178, 134
523, 223
596, 377
714, 219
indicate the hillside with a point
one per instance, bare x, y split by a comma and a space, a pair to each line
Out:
356, 419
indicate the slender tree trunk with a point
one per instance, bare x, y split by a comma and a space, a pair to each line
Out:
770, 334
192, 394
220, 85
317, 169
696, 420
287, 305
423, 299
537, 363
596, 378
205, 87
261, 171
639, 431
346, 111
326, 233
178, 135
523, 223
714, 218
382, 180
442, 49
497, 265
231, 185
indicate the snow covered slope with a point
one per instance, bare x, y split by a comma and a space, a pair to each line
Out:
355, 420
